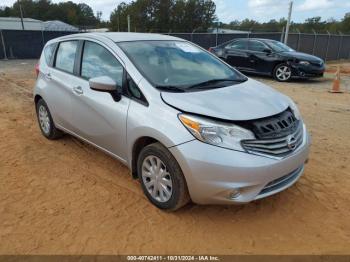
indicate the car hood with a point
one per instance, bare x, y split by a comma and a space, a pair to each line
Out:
302, 56
244, 101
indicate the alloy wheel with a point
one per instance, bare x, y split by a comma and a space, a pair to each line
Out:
283, 73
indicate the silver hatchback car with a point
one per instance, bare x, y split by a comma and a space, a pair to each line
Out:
188, 125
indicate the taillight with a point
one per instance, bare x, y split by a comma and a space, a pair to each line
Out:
37, 69
210, 49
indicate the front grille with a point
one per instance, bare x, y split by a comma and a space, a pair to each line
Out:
281, 182
275, 126
277, 147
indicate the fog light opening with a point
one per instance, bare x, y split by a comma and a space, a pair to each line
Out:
234, 194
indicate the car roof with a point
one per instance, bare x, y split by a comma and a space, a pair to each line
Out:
121, 37
259, 39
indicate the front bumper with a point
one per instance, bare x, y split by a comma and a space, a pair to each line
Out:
307, 70
214, 174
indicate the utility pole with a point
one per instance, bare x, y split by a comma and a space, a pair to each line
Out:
20, 10
129, 23
3, 45
288, 21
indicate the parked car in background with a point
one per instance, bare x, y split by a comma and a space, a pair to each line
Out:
269, 57
187, 125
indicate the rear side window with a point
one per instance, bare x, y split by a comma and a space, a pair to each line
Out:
66, 56
48, 53
98, 61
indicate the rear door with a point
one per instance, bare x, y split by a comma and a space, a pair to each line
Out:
60, 79
97, 117
236, 53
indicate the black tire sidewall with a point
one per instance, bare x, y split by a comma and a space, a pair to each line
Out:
178, 183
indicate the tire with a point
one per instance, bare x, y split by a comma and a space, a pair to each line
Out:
282, 72
46, 124
169, 175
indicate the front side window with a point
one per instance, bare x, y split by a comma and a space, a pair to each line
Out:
239, 44
98, 61
279, 47
257, 46
66, 56
170, 64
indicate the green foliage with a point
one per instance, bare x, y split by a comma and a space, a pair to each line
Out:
69, 12
164, 15
346, 23
310, 24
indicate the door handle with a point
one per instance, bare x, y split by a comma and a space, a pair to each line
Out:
78, 90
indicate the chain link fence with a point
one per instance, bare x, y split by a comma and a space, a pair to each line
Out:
25, 44
19, 44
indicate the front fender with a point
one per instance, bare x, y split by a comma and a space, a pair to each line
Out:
158, 121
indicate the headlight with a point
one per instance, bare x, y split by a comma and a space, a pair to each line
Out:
304, 62
294, 108
215, 132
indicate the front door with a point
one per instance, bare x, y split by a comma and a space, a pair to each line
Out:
236, 54
97, 117
260, 57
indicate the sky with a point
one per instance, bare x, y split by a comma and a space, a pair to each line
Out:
260, 10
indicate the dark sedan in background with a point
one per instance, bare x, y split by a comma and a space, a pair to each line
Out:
269, 57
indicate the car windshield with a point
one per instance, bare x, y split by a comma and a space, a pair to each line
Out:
179, 66
279, 47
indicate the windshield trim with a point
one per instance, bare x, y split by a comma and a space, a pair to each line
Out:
239, 74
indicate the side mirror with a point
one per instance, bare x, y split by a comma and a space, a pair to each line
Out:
267, 51
103, 83
106, 84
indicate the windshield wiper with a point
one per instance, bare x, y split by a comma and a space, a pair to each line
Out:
215, 81
174, 89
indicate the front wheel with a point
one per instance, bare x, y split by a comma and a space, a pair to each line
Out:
282, 73
161, 178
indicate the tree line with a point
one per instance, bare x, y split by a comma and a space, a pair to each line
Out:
310, 25
68, 12
164, 16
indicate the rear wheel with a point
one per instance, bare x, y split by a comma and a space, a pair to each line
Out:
46, 124
282, 73
161, 178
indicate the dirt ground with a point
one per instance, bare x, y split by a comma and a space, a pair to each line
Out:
65, 197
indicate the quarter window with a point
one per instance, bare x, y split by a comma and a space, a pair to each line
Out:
257, 46
98, 61
134, 91
48, 52
66, 56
